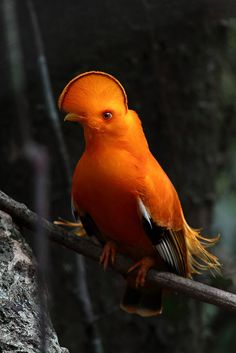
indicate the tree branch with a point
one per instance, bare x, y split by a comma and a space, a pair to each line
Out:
190, 288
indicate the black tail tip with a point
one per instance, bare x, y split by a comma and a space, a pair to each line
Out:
144, 302
143, 312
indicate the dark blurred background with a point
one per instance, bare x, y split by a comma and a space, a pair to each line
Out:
177, 62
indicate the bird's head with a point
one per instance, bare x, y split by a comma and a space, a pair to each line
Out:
96, 100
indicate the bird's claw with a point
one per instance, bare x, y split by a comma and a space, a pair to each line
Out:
108, 254
143, 266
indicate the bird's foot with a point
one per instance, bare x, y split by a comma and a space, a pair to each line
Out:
108, 254
143, 266
78, 225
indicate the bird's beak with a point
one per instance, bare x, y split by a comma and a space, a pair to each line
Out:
74, 117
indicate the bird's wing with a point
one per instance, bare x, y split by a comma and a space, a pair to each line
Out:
87, 222
170, 244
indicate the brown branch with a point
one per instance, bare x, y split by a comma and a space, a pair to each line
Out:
190, 288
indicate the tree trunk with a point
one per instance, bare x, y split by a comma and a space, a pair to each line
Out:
186, 138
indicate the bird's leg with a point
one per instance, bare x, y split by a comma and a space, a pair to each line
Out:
143, 266
108, 254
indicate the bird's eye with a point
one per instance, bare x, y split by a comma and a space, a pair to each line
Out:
107, 115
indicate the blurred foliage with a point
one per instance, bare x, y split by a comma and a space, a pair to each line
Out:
222, 325
225, 207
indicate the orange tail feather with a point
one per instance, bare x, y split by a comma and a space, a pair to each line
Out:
199, 257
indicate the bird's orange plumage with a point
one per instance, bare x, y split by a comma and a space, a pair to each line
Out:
118, 182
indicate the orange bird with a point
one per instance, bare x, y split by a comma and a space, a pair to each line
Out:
122, 195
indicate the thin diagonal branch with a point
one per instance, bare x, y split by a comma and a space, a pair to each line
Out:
35, 154
47, 90
83, 294
190, 288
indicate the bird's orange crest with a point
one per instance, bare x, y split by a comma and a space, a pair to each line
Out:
93, 90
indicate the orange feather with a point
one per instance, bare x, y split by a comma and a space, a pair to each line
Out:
120, 184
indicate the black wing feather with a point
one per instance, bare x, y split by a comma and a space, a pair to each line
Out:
169, 244
87, 222
91, 227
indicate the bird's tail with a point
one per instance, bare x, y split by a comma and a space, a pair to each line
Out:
200, 258
142, 301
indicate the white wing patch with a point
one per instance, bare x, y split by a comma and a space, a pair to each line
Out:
168, 253
144, 212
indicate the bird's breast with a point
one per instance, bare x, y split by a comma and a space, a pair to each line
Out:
107, 188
